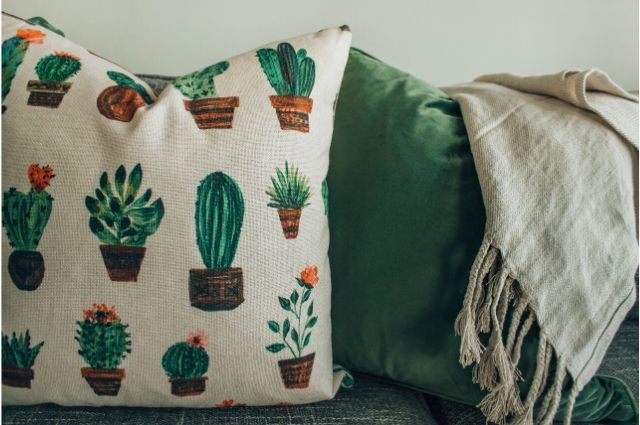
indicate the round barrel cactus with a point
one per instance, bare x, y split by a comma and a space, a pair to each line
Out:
185, 361
219, 216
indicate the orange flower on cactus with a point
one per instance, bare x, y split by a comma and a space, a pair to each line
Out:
225, 404
40, 177
66, 54
197, 339
101, 314
31, 35
309, 276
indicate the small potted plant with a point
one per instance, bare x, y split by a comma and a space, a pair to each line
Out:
185, 363
296, 371
289, 194
53, 72
18, 357
292, 75
208, 110
120, 102
123, 222
24, 217
13, 51
219, 216
104, 343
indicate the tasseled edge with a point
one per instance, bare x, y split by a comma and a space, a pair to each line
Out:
492, 297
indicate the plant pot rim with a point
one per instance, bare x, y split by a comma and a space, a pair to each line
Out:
201, 378
296, 360
228, 101
213, 271
123, 247
22, 371
92, 372
31, 251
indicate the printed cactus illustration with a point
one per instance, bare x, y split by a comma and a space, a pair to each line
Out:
123, 221
292, 75
219, 216
208, 110
53, 72
295, 334
325, 196
41, 22
120, 102
104, 343
13, 52
289, 193
24, 217
185, 363
18, 358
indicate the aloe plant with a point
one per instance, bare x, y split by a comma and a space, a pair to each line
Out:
290, 73
18, 352
290, 189
200, 84
118, 216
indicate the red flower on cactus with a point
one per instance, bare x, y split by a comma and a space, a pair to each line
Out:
31, 35
101, 314
309, 276
282, 404
197, 339
66, 55
225, 404
40, 177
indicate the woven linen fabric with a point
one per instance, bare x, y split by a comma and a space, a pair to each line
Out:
171, 251
554, 158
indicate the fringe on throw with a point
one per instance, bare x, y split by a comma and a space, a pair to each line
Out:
493, 296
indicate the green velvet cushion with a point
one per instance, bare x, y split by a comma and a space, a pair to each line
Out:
406, 219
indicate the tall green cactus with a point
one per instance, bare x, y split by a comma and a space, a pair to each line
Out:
57, 67
13, 52
290, 73
200, 84
219, 216
185, 361
25, 215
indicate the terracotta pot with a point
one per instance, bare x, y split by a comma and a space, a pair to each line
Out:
104, 381
213, 112
47, 94
188, 387
293, 112
296, 373
216, 289
26, 269
290, 222
119, 103
17, 377
123, 262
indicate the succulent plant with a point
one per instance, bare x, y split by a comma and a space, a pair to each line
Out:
25, 215
13, 51
186, 360
57, 67
200, 84
124, 80
290, 73
290, 189
117, 216
219, 216
103, 338
17, 352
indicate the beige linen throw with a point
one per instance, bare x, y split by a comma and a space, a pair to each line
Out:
554, 155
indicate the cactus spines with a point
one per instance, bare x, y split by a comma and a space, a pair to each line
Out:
103, 338
200, 84
57, 67
185, 361
290, 73
219, 216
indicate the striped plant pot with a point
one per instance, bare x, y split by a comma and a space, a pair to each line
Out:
214, 112
293, 112
122, 262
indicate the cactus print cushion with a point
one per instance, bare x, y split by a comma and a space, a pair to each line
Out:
167, 250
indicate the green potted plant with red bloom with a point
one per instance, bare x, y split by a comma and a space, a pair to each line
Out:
104, 343
53, 72
295, 334
24, 217
185, 363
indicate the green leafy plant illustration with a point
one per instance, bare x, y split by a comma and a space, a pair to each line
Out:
103, 338
295, 330
13, 52
57, 67
124, 80
290, 189
40, 21
200, 84
290, 73
17, 352
187, 359
325, 196
118, 215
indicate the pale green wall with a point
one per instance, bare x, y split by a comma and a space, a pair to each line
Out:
442, 41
